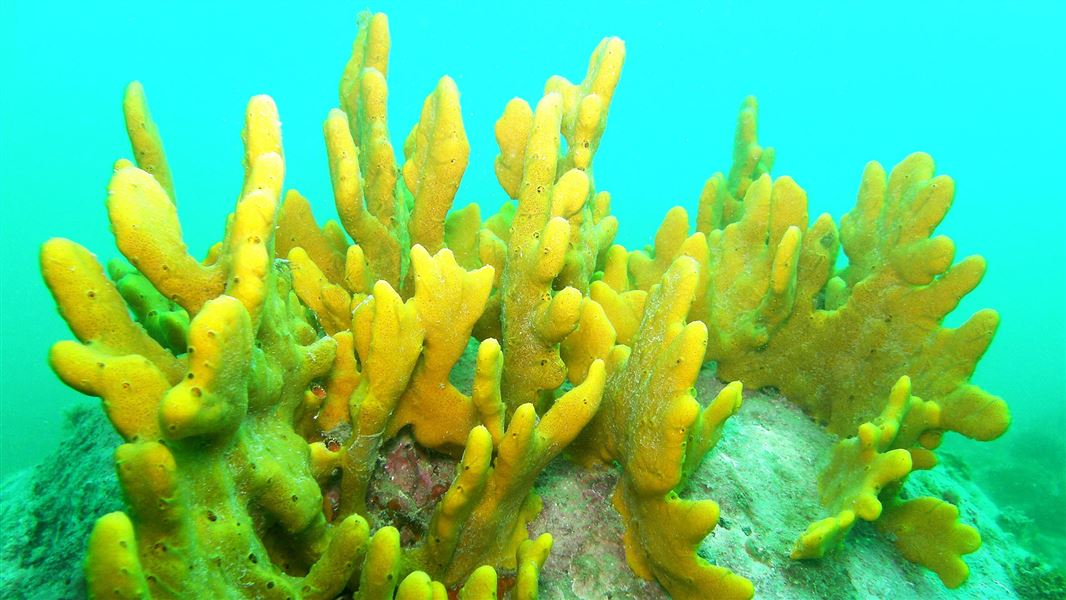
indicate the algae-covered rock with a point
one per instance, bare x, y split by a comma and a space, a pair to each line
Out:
47, 512
763, 475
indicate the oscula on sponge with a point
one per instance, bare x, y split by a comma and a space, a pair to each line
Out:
258, 389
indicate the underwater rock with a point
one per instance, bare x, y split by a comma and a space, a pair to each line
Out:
47, 514
770, 444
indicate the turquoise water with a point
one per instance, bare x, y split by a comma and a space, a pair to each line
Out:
980, 87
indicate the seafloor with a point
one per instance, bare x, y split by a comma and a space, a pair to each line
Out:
763, 473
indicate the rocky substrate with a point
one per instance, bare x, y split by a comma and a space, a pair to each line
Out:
763, 473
